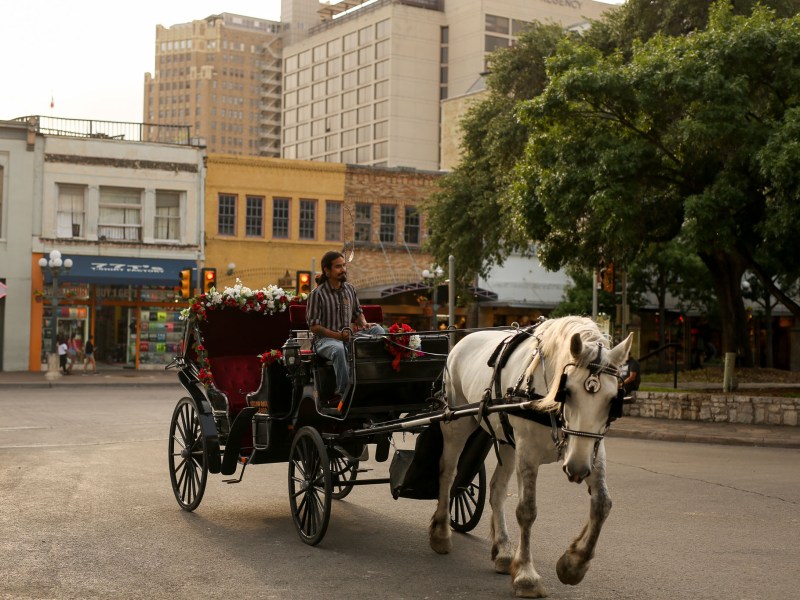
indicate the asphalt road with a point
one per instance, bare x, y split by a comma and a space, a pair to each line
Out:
87, 511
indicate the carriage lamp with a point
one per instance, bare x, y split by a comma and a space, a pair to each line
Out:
55, 265
291, 353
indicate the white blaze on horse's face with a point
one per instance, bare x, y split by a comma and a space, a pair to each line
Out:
587, 404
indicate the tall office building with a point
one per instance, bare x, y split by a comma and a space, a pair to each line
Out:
366, 84
222, 76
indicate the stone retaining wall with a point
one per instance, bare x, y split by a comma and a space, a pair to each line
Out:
719, 408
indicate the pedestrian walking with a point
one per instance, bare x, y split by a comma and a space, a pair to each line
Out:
89, 355
61, 347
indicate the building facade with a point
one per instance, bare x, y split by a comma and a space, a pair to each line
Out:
17, 212
267, 219
128, 214
366, 84
221, 76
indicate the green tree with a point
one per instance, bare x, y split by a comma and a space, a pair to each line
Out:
466, 216
685, 138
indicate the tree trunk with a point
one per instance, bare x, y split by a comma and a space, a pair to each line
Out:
726, 271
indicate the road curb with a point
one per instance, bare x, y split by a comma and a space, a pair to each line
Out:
726, 440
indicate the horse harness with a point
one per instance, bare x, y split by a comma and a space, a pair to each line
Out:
498, 360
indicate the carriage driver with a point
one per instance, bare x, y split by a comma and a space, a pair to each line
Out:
332, 306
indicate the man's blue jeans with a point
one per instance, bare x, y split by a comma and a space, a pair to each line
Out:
336, 352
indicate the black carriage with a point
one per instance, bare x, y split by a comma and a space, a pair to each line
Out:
254, 387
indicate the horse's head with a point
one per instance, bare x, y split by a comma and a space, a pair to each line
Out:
588, 387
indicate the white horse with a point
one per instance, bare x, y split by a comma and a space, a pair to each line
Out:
570, 346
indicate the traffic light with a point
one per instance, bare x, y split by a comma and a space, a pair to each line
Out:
209, 280
186, 283
303, 282
608, 278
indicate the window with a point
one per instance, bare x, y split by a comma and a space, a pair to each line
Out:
71, 219
381, 150
363, 154
226, 215
497, 24
363, 231
382, 49
383, 28
308, 219
493, 42
1, 198
280, 218
350, 41
381, 130
120, 215
412, 225
333, 221
388, 222
382, 69
381, 89
254, 216
364, 35
168, 216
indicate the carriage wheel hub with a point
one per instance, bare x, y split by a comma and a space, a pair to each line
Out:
186, 453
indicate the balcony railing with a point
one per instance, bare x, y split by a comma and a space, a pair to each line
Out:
111, 130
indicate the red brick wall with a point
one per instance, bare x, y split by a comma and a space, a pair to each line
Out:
392, 264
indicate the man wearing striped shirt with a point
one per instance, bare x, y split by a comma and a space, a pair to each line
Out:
332, 307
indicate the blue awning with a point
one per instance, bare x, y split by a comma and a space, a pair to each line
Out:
116, 270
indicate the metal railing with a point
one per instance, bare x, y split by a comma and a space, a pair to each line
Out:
110, 130
677, 347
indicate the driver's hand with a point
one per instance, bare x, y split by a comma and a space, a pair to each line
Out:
345, 335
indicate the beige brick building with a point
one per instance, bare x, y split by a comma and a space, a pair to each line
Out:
221, 76
366, 84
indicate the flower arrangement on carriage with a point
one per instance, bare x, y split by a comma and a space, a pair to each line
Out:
266, 301
401, 344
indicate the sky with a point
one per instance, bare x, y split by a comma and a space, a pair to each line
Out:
89, 57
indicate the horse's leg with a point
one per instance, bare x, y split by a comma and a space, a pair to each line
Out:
574, 563
455, 436
524, 578
502, 550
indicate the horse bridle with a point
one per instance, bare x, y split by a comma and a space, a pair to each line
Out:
592, 385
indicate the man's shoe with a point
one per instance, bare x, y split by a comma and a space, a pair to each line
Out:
331, 406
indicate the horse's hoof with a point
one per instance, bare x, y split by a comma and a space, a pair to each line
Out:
570, 569
502, 564
441, 545
529, 589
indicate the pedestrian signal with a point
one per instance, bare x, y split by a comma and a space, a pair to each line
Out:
303, 282
186, 283
209, 280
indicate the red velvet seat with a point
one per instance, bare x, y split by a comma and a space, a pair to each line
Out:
237, 376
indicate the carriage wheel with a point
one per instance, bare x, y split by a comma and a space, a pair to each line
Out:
343, 470
466, 503
309, 485
188, 467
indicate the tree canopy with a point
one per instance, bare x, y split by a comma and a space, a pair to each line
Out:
633, 136
691, 136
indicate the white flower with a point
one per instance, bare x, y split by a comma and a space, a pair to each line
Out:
414, 342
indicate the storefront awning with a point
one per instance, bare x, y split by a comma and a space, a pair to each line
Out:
115, 270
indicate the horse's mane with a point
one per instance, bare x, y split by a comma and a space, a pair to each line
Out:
554, 337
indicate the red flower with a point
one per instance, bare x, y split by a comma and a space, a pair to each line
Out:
397, 345
270, 357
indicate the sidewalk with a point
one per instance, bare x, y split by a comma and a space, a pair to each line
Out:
104, 377
704, 432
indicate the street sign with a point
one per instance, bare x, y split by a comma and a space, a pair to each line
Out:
3, 290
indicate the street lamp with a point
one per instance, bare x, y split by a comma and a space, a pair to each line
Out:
54, 265
432, 275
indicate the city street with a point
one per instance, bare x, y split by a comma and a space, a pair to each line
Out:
87, 511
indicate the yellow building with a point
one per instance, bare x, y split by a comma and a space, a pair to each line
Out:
267, 218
